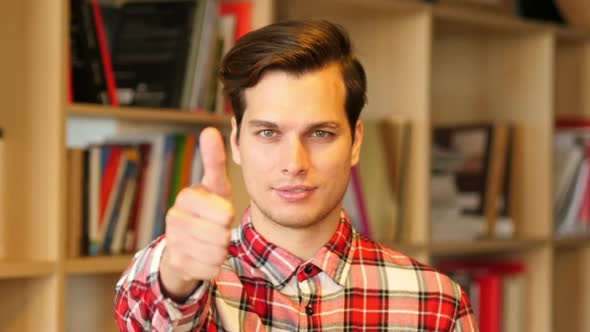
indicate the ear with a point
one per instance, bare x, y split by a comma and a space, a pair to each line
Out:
356, 145
235, 151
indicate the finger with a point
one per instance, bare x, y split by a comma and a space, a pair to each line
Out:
207, 254
190, 269
214, 159
194, 229
203, 204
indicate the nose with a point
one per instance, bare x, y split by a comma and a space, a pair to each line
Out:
296, 158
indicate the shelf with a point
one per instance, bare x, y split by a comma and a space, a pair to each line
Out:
485, 19
148, 114
11, 270
97, 265
404, 247
570, 34
572, 241
483, 246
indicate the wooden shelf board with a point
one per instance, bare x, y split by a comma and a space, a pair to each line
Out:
571, 34
572, 241
97, 265
482, 247
403, 247
20, 269
147, 114
485, 19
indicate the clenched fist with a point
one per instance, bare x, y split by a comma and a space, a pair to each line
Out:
198, 224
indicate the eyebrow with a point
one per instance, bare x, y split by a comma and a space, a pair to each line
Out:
272, 125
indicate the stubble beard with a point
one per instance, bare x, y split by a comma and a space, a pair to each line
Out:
301, 221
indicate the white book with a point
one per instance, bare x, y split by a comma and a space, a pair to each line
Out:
147, 214
568, 225
94, 198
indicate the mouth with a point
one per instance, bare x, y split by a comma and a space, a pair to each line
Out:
293, 194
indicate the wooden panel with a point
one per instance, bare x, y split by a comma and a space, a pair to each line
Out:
98, 265
459, 74
476, 19
27, 305
572, 78
353, 8
96, 314
570, 242
571, 292
12, 64
539, 295
10, 269
263, 14
137, 114
34, 128
484, 247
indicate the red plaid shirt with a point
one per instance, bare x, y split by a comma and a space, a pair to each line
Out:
350, 284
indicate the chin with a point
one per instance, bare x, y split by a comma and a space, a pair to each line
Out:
294, 216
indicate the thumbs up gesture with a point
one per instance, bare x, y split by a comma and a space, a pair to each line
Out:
198, 224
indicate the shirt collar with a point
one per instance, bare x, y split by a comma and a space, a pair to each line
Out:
279, 265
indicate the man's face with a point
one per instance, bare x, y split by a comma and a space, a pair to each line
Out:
295, 147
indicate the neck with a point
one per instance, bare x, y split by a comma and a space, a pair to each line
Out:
303, 242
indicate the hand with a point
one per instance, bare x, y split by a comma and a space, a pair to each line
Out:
198, 224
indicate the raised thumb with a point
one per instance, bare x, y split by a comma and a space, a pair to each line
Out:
212, 149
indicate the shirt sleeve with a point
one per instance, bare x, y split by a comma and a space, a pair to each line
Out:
140, 304
465, 318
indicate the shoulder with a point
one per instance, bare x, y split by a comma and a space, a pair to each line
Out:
400, 272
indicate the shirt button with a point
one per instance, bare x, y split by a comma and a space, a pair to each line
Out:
308, 269
309, 310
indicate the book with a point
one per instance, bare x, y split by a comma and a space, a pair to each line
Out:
396, 136
150, 51
482, 170
105, 54
86, 65
382, 203
496, 289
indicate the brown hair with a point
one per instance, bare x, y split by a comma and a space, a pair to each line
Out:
297, 47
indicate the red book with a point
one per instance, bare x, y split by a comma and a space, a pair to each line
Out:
490, 302
243, 12
584, 213
105, 54
108, 178
572, 121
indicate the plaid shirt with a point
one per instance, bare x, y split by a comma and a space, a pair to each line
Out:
350, 284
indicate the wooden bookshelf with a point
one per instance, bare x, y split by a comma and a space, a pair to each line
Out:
14, 270
484, 247
571, 241
430, 63
148, 115
97, 265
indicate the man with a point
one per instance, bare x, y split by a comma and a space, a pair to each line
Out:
295, 263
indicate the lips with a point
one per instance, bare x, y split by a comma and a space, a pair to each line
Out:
296, 193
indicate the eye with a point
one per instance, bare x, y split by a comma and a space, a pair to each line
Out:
321, 133
267, 133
